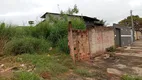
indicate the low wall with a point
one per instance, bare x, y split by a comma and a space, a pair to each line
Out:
138, 35
100, 38
84, 44
78, 44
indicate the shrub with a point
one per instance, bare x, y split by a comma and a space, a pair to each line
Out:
26, 45
111, 49
54, 30
78, 23
63, 45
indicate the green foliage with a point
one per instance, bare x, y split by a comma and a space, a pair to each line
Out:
127, 77
72, 11
78, 23
127, 22
111, 49
26, 76
24, 39
26, 45
63, 45
57, 31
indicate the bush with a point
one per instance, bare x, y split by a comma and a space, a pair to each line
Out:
63, 45
111, 49
54, 30
26, 45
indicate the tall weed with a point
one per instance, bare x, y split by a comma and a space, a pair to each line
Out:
26, 45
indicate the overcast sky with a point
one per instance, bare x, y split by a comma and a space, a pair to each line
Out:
21, 11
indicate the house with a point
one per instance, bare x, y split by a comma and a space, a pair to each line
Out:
123, 35
88, 20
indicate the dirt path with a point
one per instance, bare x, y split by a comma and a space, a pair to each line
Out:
127, 62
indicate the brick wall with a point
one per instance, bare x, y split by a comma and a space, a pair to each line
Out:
81, 45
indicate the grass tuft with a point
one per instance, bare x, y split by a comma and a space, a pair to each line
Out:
127, 77
26, 76
83, 72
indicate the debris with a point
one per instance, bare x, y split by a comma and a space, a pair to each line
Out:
106, 56
2, 65
22, 65
97, 58
48, 55
8, 69
89, 79
114, 71
45, 75
121, 66
137, 70
128, 48
50, 48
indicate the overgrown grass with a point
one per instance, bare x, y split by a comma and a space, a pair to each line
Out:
53, 31
48, 62
84, 72
26, 76
27, 45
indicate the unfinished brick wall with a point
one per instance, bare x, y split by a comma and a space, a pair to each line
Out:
81, 45
78, 44
100, 38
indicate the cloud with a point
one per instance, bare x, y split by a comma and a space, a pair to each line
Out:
19, 11
135, 3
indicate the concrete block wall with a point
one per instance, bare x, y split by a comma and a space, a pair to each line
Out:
100, 38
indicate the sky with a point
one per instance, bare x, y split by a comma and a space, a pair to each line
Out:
19, 12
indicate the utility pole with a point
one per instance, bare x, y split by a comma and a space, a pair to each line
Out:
58, 7
132, 22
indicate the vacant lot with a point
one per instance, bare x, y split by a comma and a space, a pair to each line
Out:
58, 66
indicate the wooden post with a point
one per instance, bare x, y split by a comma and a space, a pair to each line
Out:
70, 43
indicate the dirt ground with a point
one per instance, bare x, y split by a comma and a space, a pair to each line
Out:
127, 61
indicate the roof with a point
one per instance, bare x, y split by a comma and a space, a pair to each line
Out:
121, 26
84, 17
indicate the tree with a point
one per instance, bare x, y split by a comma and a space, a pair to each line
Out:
72, 11
102, 22
137, 22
